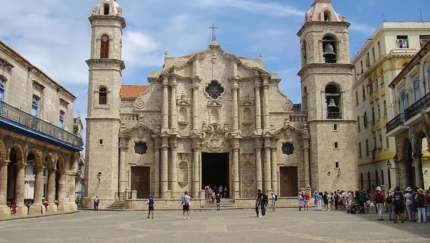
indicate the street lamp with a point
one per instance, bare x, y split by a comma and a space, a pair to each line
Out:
99, 174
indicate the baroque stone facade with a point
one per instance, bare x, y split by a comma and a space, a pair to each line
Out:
212, 118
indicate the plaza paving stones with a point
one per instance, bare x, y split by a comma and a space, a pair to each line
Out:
285, 225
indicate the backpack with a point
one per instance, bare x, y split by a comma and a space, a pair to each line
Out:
389, 199
276, 197
378, 198
420, 200
398, 199
265, 198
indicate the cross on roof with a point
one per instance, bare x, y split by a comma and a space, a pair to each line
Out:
213, 31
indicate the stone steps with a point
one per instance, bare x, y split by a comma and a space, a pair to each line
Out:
117, 205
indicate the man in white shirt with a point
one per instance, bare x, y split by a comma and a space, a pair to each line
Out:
186, 202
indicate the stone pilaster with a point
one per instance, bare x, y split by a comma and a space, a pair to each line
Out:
196, 169
257, 108
36, 207
123, 148
164, 167
4, 209
258, 166
267, 167
62, 207
274, 170
306, 160
266, 122
235, 106
157, 179
51, 191
21, 209
174, 167
195, 104
165, 106
173, 109
235, 168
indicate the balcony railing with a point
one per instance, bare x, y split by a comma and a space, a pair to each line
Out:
16, 115
416, 107
334, 115
395, 122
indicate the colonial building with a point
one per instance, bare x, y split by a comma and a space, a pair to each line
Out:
410, 125
39, 150
383, 56
212, 118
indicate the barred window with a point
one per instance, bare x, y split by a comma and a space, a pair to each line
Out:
140, 148
287, 148
214, 90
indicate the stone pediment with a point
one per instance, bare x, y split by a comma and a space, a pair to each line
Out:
140, 131
288, 129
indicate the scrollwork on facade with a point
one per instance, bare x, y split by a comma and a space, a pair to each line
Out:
247, 101
183, 100
139, 104
288, 105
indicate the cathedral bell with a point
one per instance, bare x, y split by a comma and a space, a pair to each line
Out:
332, 104
329, 54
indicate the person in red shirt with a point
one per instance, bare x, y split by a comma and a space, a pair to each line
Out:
379, 199
306, 197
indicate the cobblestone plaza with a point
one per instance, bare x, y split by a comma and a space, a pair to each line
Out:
285, 225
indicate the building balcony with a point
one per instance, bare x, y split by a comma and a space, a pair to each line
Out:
15, 120
396, 126
412, 113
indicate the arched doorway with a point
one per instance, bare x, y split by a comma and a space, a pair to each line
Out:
16, 162
407, 173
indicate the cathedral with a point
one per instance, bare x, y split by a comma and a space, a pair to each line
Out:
213, 118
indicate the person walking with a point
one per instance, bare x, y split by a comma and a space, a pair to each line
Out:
274, 199
306, 198
220, 190
218, 202
96, 203
186, 202
379, 199
315, 195
319, 201
399, 205
258, 202
421, 208
410, 204
151, 207
390, 206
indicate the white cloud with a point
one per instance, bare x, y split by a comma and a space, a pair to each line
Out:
140, 50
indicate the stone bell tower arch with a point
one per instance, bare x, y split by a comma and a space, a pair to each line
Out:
326, 80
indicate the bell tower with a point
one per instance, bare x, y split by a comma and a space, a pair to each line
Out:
103, 111
326, 82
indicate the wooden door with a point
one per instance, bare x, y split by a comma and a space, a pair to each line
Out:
288, 181
140, 181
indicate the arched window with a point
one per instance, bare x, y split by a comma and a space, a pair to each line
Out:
106, 9
326, 15
2, 87
332, 96
35, 106
102, 96
104, 47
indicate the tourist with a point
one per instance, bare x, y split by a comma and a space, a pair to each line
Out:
421, 208
218, 202
390, 206
379, 199
301, 200
274, 198
315, 199
151, 207
325, 200
225, 192
258, 201
96, 203
186, 202
410, 204
220, 190
399, 205
427, 197
336, 200
306, 201
319, 203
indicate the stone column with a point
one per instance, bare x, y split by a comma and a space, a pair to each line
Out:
306, 160
235, 167
274, 170
157, 178
419, 179
164, 168
51, 191
4, 209
258, 166
267, 166
257, 108
235, 107
174, 168
36, 207
122, 162
266, 125
196, 170
61, 192
195, 108
21, 209
173, 109
165, 106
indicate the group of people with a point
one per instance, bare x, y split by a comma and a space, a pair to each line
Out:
262, 202
213, 193
326, 201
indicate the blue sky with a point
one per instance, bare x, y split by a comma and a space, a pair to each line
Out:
55, 35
